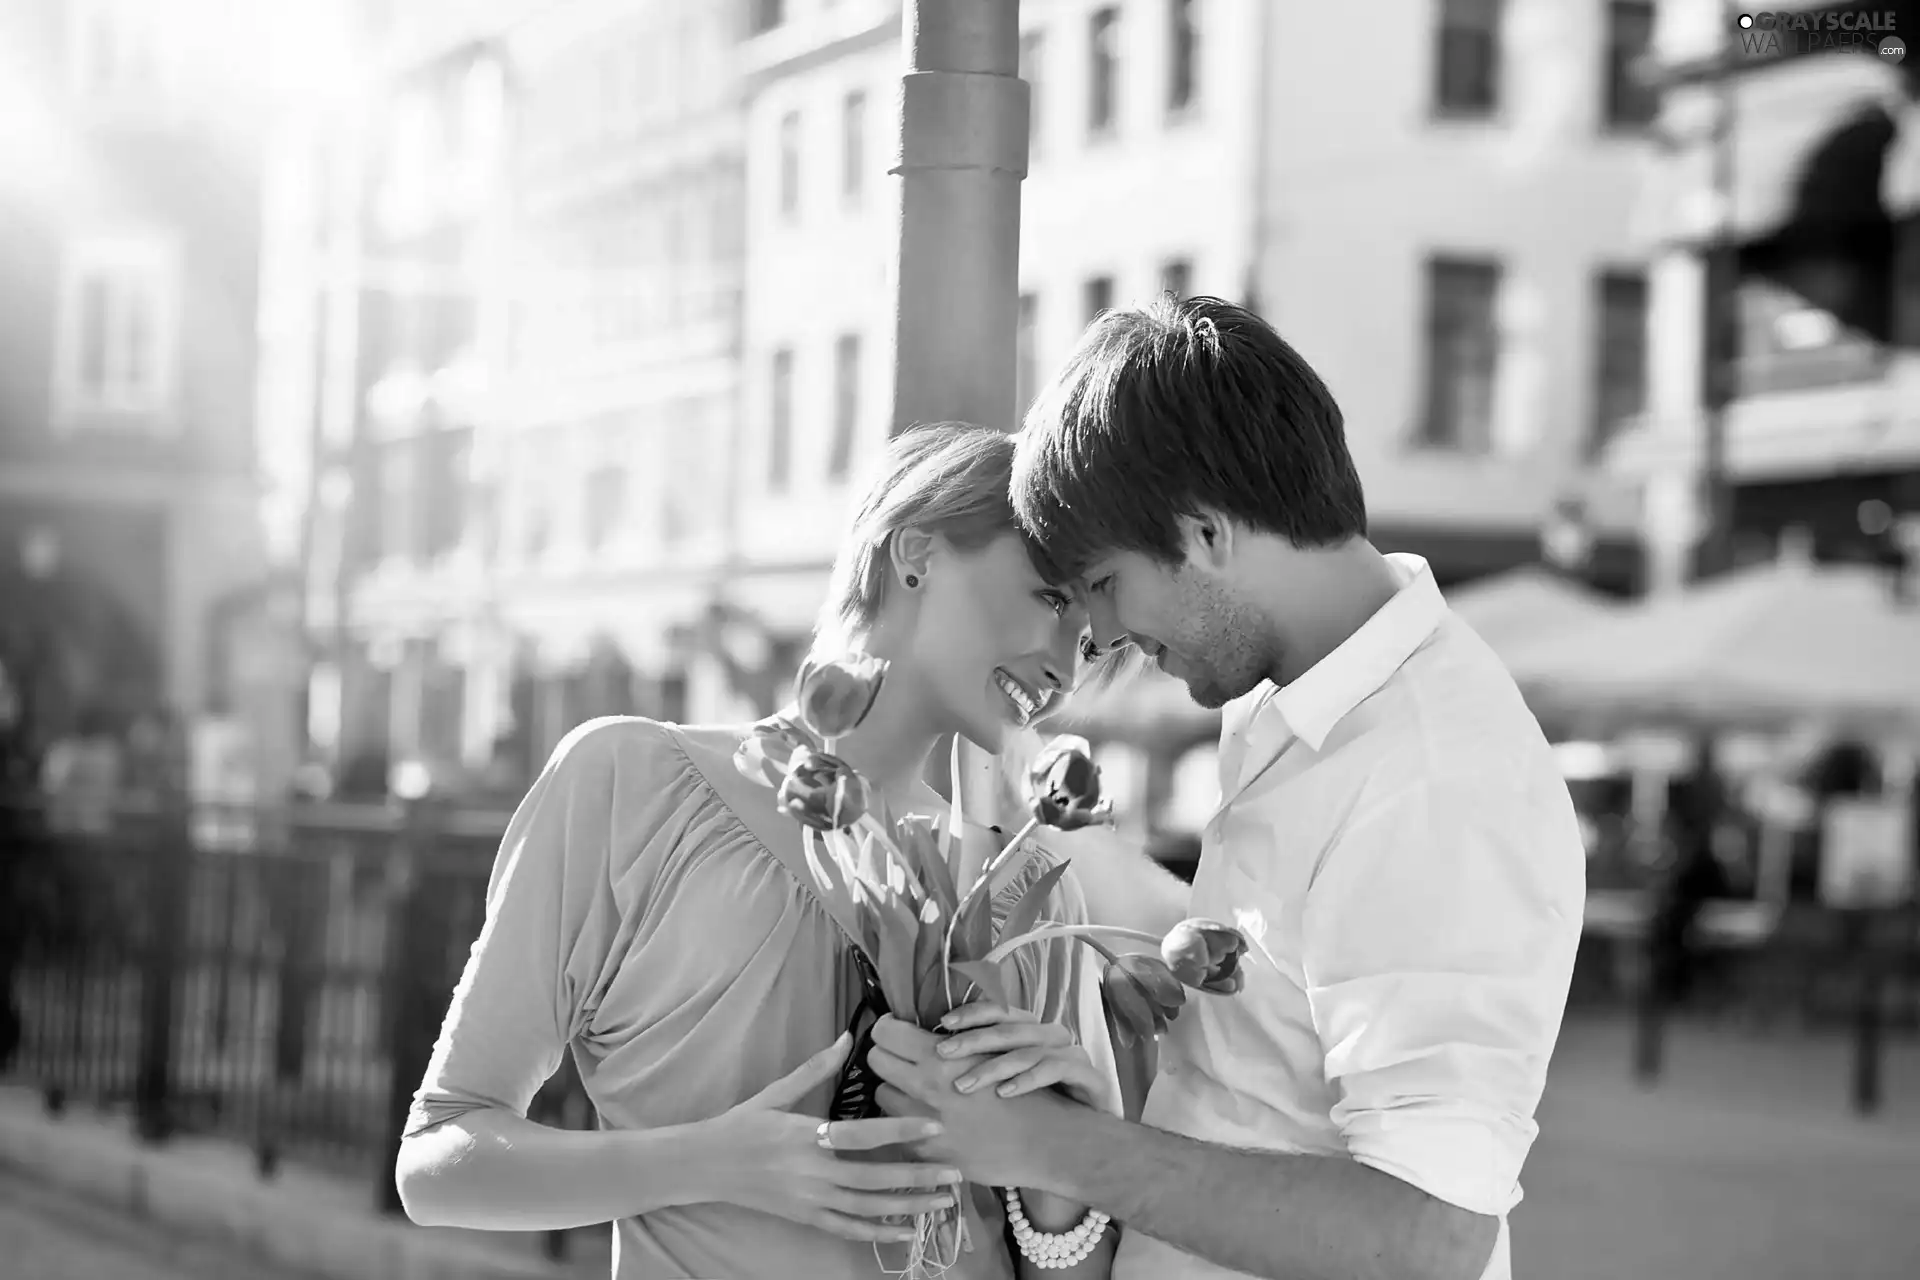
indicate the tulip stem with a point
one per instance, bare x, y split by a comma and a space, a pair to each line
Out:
872, 827
1084, 931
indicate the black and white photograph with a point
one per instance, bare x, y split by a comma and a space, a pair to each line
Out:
959, 640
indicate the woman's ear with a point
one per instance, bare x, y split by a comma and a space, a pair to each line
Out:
911, 550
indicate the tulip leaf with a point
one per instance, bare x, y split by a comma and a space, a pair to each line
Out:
973, 929
1026, 912
937, 875
988, 978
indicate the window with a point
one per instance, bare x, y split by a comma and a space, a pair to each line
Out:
780, 421
853, 145
115, 54
606, 495
1097, 297
1176, 278
119, 326
1033, 48
790, 164
846, 404
1620, 322
1467, 79
1103, 75
1026, 357
765, 15
1463, 354
1631, 103
1183, 55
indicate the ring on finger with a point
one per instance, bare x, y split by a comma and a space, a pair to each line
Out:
823, 1136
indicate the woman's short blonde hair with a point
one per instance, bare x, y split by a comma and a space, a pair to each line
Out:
948, 478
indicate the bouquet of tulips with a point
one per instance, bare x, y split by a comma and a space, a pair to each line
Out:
924, 945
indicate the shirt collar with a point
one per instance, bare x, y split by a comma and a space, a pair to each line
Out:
1320, 698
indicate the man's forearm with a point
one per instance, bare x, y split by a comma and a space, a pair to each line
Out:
1291, 1217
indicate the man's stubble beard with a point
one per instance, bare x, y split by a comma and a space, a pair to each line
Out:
1225, 648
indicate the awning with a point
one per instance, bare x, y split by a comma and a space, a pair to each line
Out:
1814, 140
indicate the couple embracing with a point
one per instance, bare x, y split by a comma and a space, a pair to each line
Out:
1389, 809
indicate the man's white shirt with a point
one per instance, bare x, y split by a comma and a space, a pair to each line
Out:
1397, 831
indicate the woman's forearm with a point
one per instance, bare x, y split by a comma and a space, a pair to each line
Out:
491, 1170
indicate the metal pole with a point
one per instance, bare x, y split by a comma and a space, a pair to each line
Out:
962, 153
1720, 337
1674, 904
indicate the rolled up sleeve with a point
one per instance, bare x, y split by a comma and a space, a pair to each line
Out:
1438, 944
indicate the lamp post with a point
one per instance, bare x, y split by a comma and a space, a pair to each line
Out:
1676, 899
1719, 348
962, 154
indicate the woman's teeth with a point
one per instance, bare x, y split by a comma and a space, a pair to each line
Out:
1018, 696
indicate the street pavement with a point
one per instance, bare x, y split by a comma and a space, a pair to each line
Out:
1744, 1162
51, 1235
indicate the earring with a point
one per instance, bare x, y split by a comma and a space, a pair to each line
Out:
913, 580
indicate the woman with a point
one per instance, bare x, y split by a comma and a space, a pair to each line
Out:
650, 913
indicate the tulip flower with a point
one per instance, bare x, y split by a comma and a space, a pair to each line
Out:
1205, 955
1143, 993
767, 750
836, 695
1063, 785
822, 791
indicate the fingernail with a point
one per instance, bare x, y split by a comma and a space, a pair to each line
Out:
950, 1175
946, 1050
1005, 1090
931, 1130
965, 1084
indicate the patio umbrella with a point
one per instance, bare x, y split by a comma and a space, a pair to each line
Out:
1763, 646
1525, 606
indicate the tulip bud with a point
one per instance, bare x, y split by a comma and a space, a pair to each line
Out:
1205, 955
1063, 785
1144, 996
764, 754
836, 695
822, 791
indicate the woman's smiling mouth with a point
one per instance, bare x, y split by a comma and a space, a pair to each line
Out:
1026, 704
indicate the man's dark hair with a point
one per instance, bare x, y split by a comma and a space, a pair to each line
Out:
1173, 407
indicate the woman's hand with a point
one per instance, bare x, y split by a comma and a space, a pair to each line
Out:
771, 1160
1023, 1054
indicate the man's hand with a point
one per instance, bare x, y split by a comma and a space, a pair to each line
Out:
993, 1140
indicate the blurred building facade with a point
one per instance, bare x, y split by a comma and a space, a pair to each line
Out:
522, 506
129, 250
682, 334
1802, 147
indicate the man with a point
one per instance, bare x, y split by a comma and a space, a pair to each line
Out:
1392, 823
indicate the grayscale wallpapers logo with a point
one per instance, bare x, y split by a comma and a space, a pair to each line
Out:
1774, 34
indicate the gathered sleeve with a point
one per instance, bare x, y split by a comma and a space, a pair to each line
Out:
1438, 944
546, 946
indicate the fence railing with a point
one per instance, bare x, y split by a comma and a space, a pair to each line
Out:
276, 976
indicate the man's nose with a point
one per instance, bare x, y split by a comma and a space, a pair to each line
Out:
1104, 624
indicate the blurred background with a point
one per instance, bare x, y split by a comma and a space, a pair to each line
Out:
388, 386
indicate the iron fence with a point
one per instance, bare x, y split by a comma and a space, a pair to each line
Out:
276, 976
